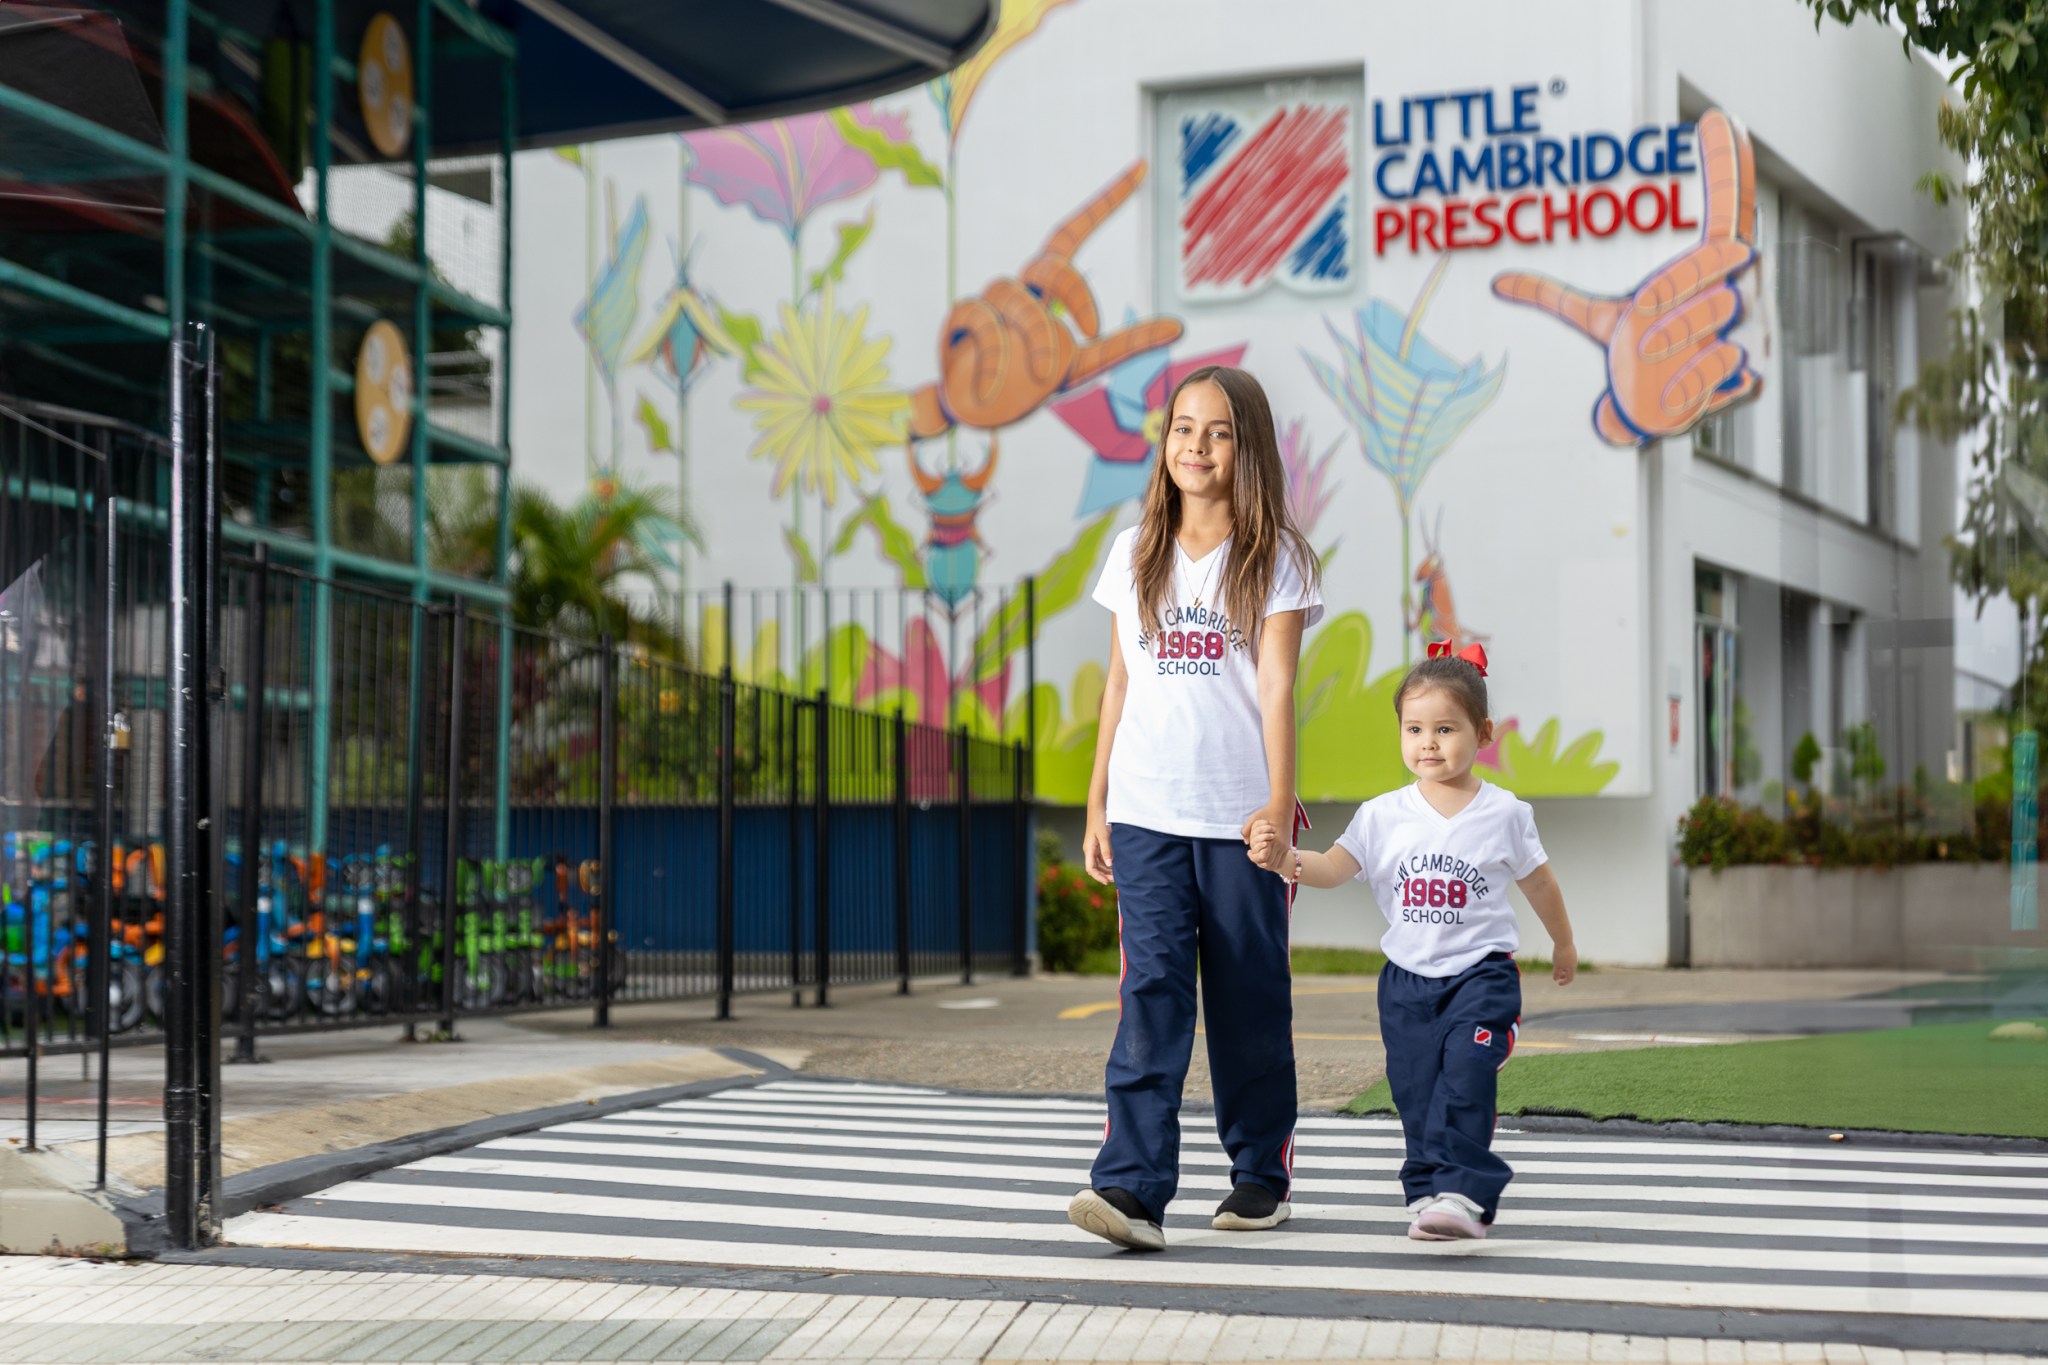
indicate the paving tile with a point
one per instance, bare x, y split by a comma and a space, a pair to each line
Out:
1347, 1341
1457, 1342
1495, 1346
1383, 1340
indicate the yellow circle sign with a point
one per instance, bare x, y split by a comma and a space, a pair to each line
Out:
383, 392
384, 85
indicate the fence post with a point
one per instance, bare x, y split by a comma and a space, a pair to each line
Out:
791, 711
964, 755
189, 1112
209, 731
418, 670
607, 798
902, 856
451, 839
821, 882
728, 726
103, 801
1026, 878
254, 669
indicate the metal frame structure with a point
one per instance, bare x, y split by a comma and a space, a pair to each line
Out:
287, 287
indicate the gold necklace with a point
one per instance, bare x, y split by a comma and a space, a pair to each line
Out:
1215, 557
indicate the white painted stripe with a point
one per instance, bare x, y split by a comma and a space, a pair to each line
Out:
1677, 1223
797, 1132
1254, 1247
1108, 1266
1092, 1112
561, 1140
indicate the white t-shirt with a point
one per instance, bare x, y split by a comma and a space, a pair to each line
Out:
1443, 883
1189, 756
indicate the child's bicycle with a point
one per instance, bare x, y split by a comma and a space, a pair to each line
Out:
569, 964
46, 943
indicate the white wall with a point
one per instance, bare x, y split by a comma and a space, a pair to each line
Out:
1574, 557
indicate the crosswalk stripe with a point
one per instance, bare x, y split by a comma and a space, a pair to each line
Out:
1077, 1172
857, 1134
837, 1177
1288, 1238
868, 1136
1311, 1130
1101, 1264
1674, 1224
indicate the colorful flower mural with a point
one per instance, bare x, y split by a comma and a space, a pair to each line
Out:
784, 171
1307, 499
1406, 400
606, 319
955, 91
1121, 420
823, 402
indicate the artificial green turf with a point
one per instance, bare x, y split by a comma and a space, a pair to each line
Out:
1935, 1078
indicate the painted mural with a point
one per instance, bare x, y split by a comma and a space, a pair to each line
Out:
870, 408
1670, 365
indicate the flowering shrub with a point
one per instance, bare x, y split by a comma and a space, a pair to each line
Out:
1076, 915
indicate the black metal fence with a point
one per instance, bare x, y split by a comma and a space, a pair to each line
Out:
456, 816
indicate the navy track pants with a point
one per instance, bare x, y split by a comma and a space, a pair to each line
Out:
1178, 898
1447, 1039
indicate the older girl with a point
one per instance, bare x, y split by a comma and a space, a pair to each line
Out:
1209, 596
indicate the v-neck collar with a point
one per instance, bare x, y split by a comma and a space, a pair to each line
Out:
1187, 561
1423, 802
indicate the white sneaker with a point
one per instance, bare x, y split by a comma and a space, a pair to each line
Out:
1448, 1218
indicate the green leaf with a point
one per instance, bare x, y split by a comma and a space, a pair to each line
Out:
657, 426
887, 153
1323, 561
898, 546
745, 330
800, 551
1059, 586
851, 235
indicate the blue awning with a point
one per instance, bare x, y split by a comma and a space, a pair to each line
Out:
595, 69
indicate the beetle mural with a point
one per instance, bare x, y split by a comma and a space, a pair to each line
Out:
953, 547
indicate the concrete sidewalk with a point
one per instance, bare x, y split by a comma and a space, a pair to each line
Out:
56, 1312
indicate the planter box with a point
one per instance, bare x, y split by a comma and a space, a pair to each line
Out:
1929, 916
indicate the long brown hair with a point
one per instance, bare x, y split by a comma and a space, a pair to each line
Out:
1261, 528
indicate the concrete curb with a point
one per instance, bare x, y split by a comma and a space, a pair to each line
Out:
143, 1216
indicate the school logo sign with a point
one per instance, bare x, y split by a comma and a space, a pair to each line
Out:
1266, 198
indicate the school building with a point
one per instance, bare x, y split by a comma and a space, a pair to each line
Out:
903, 356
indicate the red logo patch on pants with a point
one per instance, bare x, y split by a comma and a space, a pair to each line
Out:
1482, 1035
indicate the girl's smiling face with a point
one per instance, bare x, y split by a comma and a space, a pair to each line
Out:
1201, 443
1439, 739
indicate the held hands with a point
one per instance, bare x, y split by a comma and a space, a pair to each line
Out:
1266, 846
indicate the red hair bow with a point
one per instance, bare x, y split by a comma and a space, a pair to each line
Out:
1471, 654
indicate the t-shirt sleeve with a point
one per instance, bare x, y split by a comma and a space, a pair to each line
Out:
1357, 840
1525, 849
1115, 588
1293, 591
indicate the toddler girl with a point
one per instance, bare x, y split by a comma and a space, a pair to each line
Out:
1438, 855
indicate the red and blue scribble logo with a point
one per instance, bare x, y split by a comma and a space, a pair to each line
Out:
1266, 200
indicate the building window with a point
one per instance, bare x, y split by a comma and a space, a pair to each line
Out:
1715, 682
1810, 308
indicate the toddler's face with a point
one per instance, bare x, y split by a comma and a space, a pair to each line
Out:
1438, 739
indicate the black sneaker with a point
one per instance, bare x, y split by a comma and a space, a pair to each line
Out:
1118, 1216
1251, 1207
